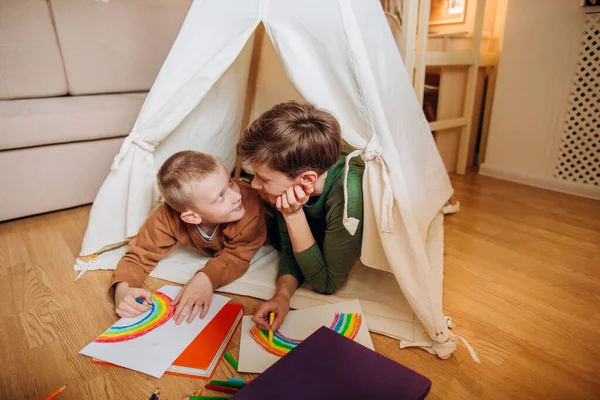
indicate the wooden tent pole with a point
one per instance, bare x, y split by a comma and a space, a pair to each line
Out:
259, 35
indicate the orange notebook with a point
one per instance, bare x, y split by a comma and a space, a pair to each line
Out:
201, 357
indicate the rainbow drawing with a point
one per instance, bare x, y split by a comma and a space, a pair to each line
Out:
160, 313
346, 324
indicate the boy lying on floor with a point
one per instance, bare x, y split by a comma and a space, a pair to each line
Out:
203, 208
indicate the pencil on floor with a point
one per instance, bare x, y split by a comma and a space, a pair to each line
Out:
236, 380
235, 385
231, 361
55, 393
208, 397
223, 389
194, 395
155, 395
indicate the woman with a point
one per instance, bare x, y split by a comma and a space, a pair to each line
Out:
295, 151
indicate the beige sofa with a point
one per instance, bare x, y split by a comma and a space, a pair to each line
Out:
73, 77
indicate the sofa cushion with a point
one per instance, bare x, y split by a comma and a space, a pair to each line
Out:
116, 46
35, 122
49, 178
30, 60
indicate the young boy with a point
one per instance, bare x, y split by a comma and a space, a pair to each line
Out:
203, 208
295, 151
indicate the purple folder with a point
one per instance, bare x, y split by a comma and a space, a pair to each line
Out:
329, 366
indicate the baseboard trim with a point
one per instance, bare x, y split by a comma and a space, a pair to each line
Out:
557, 185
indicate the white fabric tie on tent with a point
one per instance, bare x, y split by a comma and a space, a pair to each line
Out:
134, 138
371, 153
341, 58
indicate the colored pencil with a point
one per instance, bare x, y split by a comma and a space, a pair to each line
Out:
208, 397
55, 393
231, 360
271, 319
223, 389
194, 395
235, 385
236, 380
154, 395
141, 301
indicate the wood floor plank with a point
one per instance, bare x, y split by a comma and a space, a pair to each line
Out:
51, 367
76, 330
38, 327
12, 250
32, 291
99, 387
18, 378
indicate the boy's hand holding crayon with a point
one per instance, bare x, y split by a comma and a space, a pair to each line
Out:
196, 295
126, 305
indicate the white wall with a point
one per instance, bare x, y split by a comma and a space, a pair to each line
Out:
537, 66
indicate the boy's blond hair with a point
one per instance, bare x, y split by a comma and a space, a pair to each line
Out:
179, 172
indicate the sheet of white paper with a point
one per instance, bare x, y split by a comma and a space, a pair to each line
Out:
155, 351
299, 325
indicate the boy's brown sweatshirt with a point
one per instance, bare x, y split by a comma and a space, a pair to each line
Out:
232, 247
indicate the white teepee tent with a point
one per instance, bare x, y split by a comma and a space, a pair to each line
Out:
340, 56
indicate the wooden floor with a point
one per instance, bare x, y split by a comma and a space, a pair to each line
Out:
522, 283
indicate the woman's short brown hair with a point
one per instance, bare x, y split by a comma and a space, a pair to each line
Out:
179, 172
293, 138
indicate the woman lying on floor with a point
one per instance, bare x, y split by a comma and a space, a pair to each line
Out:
295, 151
